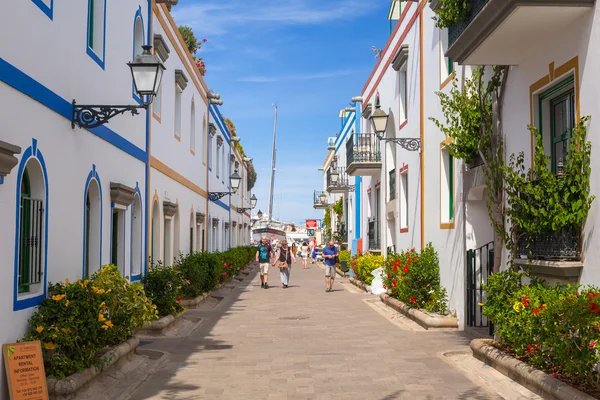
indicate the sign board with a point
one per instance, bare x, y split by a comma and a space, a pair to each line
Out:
311, 223
25, 374
310, 232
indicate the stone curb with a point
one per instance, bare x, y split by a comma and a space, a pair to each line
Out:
425, 320
191, 303
533, 379
161, 324
68, 386
358, 283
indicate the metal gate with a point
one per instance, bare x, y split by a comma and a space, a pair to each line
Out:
480, 264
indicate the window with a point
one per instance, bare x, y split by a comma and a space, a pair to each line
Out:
176, 233
117, 237
92, 228
155, 244
404, 201
193, 128
31, 240
210, 152
178, 93
167, 244
157, 103
557, 118
447, 188
218, 166
96, 25
138, 42
446, 63
403, 87
136, 237
392, 185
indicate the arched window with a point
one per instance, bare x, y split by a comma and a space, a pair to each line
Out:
138, 42
92, 225
155, 244
193, 128
31, 233
176, 234
136, 237
204, 139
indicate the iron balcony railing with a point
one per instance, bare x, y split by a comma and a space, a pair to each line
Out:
457, 29
342, 180
362, 148
562, 244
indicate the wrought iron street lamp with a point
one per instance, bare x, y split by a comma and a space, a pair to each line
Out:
253, 201
322, 197
379, 120
234, 183
259, 214
146, 70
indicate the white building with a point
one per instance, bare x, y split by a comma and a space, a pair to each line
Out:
74, 199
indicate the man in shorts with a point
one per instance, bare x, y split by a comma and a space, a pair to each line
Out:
263, 257
329, 255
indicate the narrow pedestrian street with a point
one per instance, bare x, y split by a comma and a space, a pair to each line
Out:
304, 343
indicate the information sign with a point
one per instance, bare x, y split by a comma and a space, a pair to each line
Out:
25, 374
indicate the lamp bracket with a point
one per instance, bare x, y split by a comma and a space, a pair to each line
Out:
92, 116
214, 196
410, 144
242, 210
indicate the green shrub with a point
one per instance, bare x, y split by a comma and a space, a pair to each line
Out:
79, 319
345, 255
555, 329
196, 268
366, 264
165, 286
414, 279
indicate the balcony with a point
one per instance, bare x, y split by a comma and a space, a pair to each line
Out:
339, 185
363, 155
320, 200
506, 32
562, 245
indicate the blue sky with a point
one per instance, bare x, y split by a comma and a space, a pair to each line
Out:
309, 56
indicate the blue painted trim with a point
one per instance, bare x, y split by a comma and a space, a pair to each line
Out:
220, 122
131, 240
220, 203
345, 131
1, 180
30, 87
210, 169
125, 245
217, 176
112, 206
358, 179
90, 52
145, 246
44, 7
31, 152
93, 175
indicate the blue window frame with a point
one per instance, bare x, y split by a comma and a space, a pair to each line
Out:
47, 6
96, 31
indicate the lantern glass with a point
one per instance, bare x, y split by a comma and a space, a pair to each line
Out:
234, 180
334, 176
253, 201
147, 71
379, 120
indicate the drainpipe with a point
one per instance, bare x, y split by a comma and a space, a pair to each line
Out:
422, 117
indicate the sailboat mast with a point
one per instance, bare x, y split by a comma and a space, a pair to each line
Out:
271, 191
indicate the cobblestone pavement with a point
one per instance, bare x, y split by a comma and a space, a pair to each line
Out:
304, 343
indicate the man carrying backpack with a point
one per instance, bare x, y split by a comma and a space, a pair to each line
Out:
263, 257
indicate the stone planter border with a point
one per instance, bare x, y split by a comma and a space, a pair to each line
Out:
68, 386
161, 324
533, 379
427, 321
358, 283
191, 303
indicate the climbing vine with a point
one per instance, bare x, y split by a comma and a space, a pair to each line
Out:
327, 223
541, 201
451, 12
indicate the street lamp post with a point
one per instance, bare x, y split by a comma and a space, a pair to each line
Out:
253, 201
146, 70
234, 183
379, 120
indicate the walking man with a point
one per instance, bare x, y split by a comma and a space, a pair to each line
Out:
263, 257
330, 255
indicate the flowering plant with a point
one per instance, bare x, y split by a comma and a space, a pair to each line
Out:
365, 264
165, 287
414, 279
555, 329
79, 319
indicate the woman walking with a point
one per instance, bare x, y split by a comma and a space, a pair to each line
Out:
285, 257
305, 251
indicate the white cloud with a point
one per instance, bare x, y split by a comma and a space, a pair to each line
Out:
295, 77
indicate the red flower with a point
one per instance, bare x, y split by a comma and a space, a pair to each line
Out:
536, 311
389, 275
224, 274
594, 308
542, 307
590, 295
405, 269
530, 349
385, 287
179, 298
412, 299
394, 283
395, 268
592, 344
412, 250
